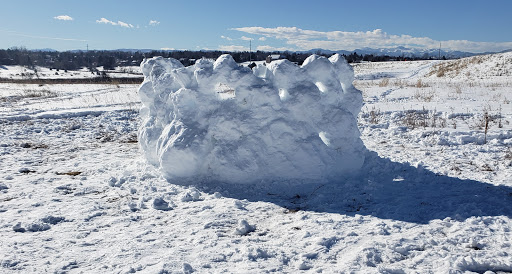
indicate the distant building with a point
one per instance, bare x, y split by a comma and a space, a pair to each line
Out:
273, 57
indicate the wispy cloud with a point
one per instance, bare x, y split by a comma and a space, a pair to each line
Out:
42, 37
63, 18
246, 38
123, 24
167, 49
233, 48
300, 39
227, 38
154, 23
270, 48
105, 21
118, 23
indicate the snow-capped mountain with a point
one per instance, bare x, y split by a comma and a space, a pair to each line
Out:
402, 51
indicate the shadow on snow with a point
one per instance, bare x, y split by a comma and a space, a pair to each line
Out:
384, 189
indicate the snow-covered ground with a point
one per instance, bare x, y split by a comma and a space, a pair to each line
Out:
29, 101
440, 121
20, 72
434, 194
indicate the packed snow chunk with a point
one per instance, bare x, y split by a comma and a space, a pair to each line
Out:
161, 204
244, 228
219, 121
36, 227
3, 186
18, 228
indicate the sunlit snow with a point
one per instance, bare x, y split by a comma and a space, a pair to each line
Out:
219, 121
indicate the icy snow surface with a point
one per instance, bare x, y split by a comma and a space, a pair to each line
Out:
218, 121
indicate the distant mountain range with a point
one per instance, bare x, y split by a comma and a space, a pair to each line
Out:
44, 50
402, 52
407, 52
394, 52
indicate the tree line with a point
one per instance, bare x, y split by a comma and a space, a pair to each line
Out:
73, 60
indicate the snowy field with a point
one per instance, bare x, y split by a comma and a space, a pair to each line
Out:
20, 73
434, 194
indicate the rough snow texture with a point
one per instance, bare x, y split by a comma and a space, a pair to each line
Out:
219, 121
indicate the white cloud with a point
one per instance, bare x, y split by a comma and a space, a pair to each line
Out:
42, 37
154, 23
167, 49
246, 38
233, 48
105, 21
262, 38
270, 48
63, 18
344, 40
123, 24
118, 23
282, 32
227, 38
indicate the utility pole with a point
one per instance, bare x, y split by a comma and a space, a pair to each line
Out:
439, 50
88, 60
250, 50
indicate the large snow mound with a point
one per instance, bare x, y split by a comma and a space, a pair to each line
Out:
219, 121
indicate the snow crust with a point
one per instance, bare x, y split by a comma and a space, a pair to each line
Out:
219, 121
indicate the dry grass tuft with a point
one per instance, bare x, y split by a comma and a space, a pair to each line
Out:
425, 95
421, 84
33, 93
384, 82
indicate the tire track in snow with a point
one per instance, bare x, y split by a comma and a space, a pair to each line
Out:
414, 73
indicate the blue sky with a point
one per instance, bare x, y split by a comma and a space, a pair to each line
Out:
474, 26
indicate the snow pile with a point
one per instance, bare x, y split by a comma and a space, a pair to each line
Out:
219, 121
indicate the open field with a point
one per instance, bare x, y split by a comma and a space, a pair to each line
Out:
434, 194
